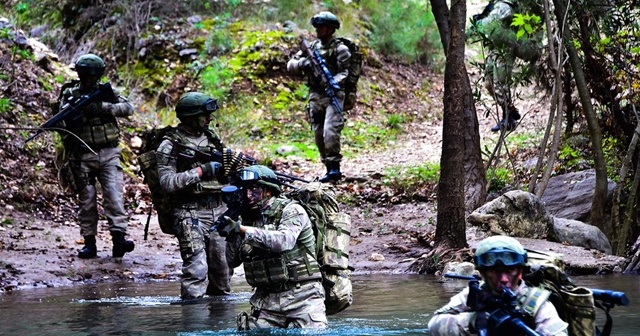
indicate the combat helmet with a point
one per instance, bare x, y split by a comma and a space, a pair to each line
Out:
260, 175
90, 64
195, 103
325, 19
499, 251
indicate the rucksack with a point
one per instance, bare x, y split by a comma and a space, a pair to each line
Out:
355, 70
575, 304
149, 168
332, 231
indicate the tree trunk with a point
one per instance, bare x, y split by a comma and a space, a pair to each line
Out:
450, 228
600, 193
634, 264
621, 226
474, 168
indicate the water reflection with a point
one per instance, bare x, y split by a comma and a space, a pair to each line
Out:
384, 305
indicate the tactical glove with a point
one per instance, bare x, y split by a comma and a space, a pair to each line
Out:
210, 169
232, 227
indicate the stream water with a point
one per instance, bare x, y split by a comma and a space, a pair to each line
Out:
383, 305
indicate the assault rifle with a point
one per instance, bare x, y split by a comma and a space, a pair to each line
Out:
603, 299
320, 70
235, 160
73, 110
234, 198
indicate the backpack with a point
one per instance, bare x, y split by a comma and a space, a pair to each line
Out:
355, 70
332, 229
149, 168
575, 304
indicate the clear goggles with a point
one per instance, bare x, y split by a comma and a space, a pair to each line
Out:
248, 176
500, 257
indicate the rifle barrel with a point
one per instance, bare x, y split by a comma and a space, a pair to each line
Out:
609, 296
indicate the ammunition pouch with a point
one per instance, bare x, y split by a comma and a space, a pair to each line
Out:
269, 273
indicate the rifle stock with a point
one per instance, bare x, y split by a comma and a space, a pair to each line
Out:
73, 111
320, 70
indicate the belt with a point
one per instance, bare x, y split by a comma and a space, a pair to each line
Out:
289, 285
207, 202
84, 149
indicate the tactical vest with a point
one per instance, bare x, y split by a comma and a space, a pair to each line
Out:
278, 272
196, 191
330, 55
96, 130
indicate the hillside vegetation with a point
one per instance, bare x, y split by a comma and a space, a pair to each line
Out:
235, 51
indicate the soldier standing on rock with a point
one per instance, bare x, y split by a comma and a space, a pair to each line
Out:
94, 156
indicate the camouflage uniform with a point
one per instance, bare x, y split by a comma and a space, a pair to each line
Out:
326, 122
455, 318
197, 204
283, 235
499, 65
99, 130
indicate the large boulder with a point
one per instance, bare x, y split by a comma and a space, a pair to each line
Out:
577, 233
570, 195
517, 214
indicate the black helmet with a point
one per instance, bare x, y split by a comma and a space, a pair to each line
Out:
325, 19
260, 175
195, 103
90, 64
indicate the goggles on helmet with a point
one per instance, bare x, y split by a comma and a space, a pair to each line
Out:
500, 257
248, 176
209, 106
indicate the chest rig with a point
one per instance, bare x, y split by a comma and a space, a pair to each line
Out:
280, 271
196, 192
329, 54
97, 130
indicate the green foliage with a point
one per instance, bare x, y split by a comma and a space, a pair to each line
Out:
36, 12
498, 178
5, 105
46, 86
404, 28
365, 135
412, 178
216, 78
394, 120
526, 25
613, 154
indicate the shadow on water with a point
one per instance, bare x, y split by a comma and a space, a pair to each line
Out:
383, 305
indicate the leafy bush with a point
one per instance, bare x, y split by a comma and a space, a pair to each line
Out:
498, 178
404, 28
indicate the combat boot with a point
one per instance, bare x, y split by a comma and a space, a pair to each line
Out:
89, 250
333, 173
120, 245
510, 126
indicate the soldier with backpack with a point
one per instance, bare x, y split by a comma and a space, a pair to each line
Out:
275, 241
503, 301
193, 188
326, 117
92, 154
